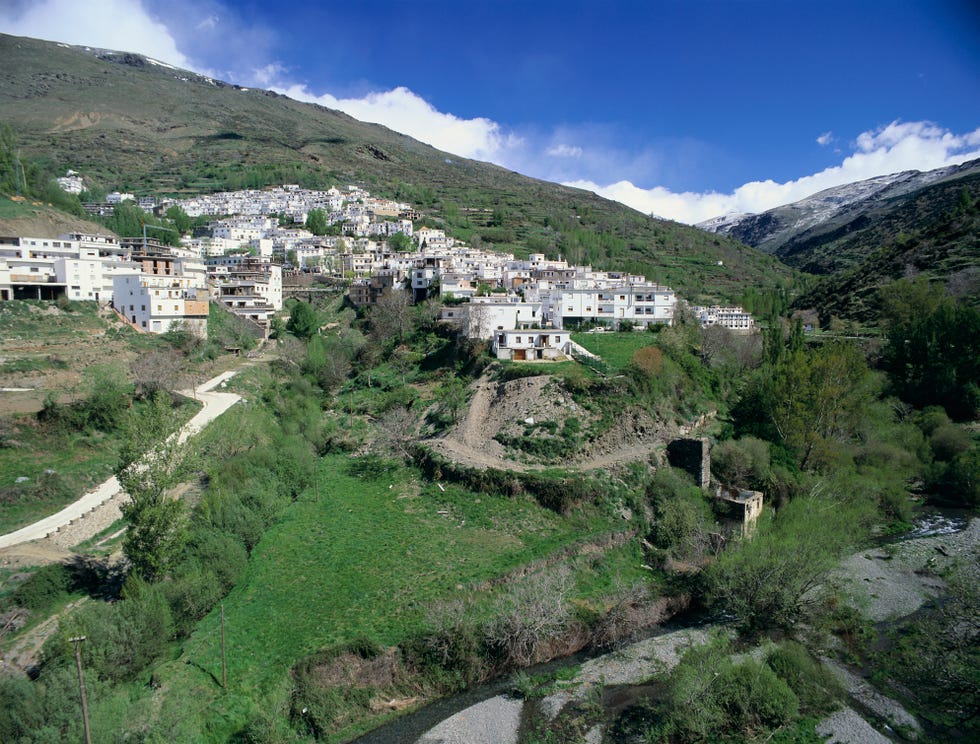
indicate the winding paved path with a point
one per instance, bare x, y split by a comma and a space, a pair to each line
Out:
215, 404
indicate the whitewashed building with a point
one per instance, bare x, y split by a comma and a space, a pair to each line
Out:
169, 292
530, 345
733, 318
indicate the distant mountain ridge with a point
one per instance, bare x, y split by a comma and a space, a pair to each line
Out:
133, 124
795, 232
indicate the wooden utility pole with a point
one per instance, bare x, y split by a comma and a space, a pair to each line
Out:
224, 668
81, 685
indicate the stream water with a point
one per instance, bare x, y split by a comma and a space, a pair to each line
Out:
929, 521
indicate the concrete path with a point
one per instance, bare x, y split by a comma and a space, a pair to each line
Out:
214, 405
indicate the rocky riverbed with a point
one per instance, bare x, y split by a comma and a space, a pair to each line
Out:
886, 583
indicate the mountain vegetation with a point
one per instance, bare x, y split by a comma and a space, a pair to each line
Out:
313, 565
933, 234
130, 124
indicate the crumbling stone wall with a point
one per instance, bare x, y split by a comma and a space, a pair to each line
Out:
692, 456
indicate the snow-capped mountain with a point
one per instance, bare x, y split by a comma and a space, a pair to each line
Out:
773, 230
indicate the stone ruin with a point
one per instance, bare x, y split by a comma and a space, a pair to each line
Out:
694, 456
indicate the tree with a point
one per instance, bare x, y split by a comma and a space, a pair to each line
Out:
179, 217
477, 322
158, 371
316, 221
773, 579
818, 399
152, 463
933, 351
303, 320
390, 317
400, 243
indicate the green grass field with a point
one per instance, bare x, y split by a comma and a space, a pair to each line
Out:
368, 560
616, 349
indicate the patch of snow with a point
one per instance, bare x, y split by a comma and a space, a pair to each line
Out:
722, 223
160, 64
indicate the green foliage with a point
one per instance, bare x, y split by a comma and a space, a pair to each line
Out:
102, 407
316, 221
743, 463
936, 657
933, 351
682, 517
121, 638
127, 221
44, 588
181, 222
303, 321
400, 243
152, 463
773, 579
815, 686
710, 696
809, 401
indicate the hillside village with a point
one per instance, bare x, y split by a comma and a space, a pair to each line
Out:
241, 260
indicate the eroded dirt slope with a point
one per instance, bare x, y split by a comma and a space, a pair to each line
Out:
540, 407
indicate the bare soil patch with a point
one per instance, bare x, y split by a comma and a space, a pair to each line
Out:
541, 404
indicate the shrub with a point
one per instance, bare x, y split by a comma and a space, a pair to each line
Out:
44, 588
710, 697
741, 462
815, 687
948, 441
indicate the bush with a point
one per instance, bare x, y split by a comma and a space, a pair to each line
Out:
710, 697
773, 579
741, 462
121, 638
44, 588
816, 688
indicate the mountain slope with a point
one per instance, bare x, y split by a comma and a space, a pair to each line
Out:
935, 232
824, 233
133, 124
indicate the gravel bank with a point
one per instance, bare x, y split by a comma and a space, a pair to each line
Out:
883, 707
894, 581
630, 665
847, 727
494, 721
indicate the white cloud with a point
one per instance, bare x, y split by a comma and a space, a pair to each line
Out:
208, 24
825, 139
565, 151
123, 25
268, 74
899, 146
404, 111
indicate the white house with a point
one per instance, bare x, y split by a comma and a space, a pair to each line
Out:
639, 304
167, 293
733, 318
484, 316
529, 345
81, 267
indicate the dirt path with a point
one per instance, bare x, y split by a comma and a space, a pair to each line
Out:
496, 407
24, 652
215, 404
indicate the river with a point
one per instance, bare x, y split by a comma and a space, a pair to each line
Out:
929, 522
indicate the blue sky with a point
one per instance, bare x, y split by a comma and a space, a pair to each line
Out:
686, 109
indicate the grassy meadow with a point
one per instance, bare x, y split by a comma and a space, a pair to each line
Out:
367, 560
